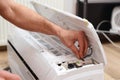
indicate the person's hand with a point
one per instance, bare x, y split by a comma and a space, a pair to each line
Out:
69, 37
4, 75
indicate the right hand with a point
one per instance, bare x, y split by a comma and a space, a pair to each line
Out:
69, 37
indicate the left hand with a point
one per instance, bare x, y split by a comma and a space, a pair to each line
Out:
69, 37
4, 75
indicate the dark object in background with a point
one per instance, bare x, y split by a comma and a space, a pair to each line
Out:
3, 48
96, 12
114, 38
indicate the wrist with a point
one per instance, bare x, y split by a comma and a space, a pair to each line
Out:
59, 32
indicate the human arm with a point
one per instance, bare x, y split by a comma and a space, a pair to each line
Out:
26, 18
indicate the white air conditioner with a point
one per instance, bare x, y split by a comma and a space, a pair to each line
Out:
115, 20
35, 56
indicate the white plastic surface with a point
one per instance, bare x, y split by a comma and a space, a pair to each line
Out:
69, 21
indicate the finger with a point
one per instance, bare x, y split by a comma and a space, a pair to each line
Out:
85, 45
81, 44
9, 76
4, 74
2, 78
75, 50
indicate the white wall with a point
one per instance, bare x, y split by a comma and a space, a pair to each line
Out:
59, 4
70, 6
66, 5
3, 31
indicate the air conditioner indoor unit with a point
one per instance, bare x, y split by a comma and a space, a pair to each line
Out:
115, 20
36, 56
